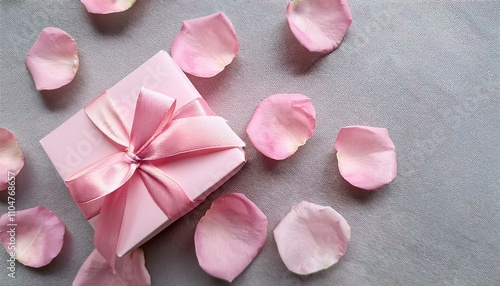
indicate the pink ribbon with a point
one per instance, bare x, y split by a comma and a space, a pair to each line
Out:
157, 133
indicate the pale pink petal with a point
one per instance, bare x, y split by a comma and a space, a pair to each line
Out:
229, 236
311, 238
11, 157
281, 123
206, 45
130, 271
53, 59
319, 25
39, 235
366, 156
107, 6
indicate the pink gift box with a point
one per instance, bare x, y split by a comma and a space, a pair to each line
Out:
77, 144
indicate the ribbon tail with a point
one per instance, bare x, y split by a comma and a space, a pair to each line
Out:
109, 225
166, 193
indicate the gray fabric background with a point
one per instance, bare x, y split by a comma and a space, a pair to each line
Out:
426, 70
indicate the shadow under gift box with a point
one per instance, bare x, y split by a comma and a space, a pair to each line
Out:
77, 144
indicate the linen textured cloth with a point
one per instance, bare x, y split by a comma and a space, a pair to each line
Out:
429, 71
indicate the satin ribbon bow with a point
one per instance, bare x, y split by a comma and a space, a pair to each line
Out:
157, 133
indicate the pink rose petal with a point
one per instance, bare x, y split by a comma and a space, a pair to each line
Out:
107, 6
206, 45
130, 271
53, 59
38, 235
319, 25
366, 156
11, 157
311, 238
281, 123
229, 236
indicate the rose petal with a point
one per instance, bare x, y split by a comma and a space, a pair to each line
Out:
229, 236
107, 6
11, 157
130, 270
366, 156
53, 59
311, 238
206, 45
281, 123
319, 25
39, 235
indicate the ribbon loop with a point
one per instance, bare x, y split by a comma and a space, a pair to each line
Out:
153, 111
102, 112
